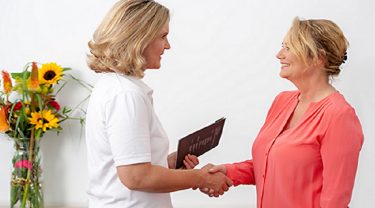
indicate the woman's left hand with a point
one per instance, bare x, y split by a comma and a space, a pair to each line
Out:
190, 161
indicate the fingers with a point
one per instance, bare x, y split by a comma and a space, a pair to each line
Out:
190, 161
194, 159
225, 187
173, 154
210, 192
213, 193
216, 184
229, 182
205, 191
172, 160
218, 168
207, 166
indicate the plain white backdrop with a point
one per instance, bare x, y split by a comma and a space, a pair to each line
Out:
222, 63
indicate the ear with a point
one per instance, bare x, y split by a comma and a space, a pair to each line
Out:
321, 60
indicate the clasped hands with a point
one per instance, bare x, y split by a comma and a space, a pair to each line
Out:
216, 181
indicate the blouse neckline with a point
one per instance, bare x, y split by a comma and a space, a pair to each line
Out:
311, 106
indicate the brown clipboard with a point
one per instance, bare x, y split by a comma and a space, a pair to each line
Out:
199, 142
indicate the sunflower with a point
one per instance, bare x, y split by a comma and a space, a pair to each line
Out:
43, 120
50, 73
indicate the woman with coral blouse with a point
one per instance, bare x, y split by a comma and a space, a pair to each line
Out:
306, 153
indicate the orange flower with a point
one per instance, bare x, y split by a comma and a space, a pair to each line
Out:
4, 126
33, 83
7, 82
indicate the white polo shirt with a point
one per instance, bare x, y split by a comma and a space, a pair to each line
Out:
121, 129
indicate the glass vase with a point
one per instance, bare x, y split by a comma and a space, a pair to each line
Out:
26, 180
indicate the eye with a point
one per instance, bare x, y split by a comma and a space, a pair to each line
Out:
164, 36
285, 46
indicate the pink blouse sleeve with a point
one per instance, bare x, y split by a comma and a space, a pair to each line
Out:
340, 149
241, 173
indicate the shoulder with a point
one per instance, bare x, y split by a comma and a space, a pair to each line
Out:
111, 85
342, 121
339, 106
341, 115
116, 82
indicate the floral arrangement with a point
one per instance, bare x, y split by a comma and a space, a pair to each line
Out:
28, 109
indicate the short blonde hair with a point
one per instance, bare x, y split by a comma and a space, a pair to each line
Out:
319, 38
119, 41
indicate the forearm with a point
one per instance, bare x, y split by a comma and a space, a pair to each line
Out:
153, 178
241, 173
163, 180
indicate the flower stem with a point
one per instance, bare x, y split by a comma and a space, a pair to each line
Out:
31, 151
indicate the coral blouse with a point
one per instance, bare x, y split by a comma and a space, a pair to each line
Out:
310, 165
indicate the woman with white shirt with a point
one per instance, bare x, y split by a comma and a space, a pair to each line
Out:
127, 147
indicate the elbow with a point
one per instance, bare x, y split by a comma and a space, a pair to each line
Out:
132, 183
134, 177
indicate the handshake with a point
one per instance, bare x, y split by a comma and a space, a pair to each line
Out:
215, 181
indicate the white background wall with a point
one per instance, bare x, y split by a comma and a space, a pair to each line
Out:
222, 63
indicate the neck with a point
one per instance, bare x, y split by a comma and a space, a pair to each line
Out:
314, 89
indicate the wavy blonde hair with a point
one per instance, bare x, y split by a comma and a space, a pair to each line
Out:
119, 41
319, 38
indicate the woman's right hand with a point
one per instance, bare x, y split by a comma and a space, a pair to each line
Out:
212, 170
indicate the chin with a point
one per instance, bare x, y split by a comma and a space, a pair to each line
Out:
282, 75
154, 66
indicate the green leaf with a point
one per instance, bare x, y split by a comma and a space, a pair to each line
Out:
60, 88
40, 102
13, 195
82, 83
67, 69
21, 75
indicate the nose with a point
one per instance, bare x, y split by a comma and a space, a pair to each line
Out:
280, 55
167, 45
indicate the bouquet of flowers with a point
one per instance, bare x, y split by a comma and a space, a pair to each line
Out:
28, 109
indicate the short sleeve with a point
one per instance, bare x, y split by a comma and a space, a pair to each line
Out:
127, 126
340, 149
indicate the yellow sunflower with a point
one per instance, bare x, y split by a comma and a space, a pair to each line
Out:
50, 73
45, 119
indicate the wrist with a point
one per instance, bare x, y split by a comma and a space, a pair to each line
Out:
199, 178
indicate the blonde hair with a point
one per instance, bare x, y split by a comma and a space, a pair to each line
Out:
319, 38
119, 41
